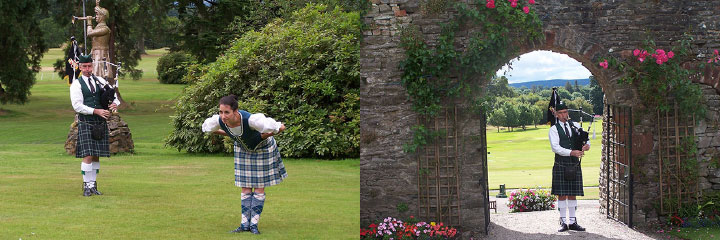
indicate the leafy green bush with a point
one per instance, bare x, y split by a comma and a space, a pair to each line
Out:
172, 67
302, 71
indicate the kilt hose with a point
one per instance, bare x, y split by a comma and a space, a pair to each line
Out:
85, 144
258, 168
562, 187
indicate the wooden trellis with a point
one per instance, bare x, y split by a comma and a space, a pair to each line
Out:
438, 170
675, 131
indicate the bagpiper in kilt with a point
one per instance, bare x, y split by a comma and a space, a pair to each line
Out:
560, 186
92, 135
257, 158
566, 183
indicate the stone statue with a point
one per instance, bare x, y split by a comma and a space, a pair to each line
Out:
100, 41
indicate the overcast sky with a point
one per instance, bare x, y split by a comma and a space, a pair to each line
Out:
543, 65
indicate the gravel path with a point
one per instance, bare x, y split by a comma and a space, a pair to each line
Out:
544, 224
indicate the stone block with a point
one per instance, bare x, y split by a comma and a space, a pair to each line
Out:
383, 8
704, 184
714, 180
704, 142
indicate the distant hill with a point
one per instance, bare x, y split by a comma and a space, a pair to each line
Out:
551, 83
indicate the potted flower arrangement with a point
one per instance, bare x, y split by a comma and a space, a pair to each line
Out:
531, 200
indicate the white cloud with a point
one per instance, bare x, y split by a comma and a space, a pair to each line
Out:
543, 65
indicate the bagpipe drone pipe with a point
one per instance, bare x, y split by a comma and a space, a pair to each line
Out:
582, 136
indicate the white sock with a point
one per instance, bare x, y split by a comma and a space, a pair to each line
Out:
91, 176
572, 204
562, 205
96, 170
86, 169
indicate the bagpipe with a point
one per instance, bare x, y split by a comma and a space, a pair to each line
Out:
582, 136
107, 91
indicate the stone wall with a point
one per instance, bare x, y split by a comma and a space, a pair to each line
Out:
708, 135
584, 30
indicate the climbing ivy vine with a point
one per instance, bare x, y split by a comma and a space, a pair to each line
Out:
433, 73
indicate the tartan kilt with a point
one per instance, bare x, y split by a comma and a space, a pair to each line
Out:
85, 145
258, 168
559, 185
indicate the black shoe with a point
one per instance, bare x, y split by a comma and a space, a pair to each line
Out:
576, 227
94, 189
563, 227
86, 190
240, 229
254, 230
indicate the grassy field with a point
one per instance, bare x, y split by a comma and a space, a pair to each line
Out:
523, 159
156, 193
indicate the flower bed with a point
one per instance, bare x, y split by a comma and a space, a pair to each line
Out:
531, 200
391, 228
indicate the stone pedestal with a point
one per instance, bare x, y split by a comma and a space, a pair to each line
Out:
120, 137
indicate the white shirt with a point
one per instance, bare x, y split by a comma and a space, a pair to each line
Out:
76, 95
555, 139
257, 121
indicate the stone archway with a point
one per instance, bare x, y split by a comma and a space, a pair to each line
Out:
581, 29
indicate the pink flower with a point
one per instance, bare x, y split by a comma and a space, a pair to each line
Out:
636, 52
660, 51
716, 52
671, 54
659, 61
490, 4
526, 9
513, 3
531, 2
604, 64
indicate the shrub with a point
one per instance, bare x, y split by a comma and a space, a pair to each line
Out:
391, 228
302, 71
531, 200
172, 67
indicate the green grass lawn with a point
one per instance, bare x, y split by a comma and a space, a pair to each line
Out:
156, 193
523, 158
705, 233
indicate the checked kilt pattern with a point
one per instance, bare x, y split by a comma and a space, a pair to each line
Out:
559, 185
258, 168
85, 145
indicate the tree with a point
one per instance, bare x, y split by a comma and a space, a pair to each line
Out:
499, 87
563, 93
596, 96
497, 118
22, 48
512, 114
576, 95
538, 115
569, 87
525, 115
577, 87
576, 104
209, 26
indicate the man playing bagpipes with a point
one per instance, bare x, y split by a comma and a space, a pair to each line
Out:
93, 100
569, 144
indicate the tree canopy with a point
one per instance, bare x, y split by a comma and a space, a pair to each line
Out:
22, 47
